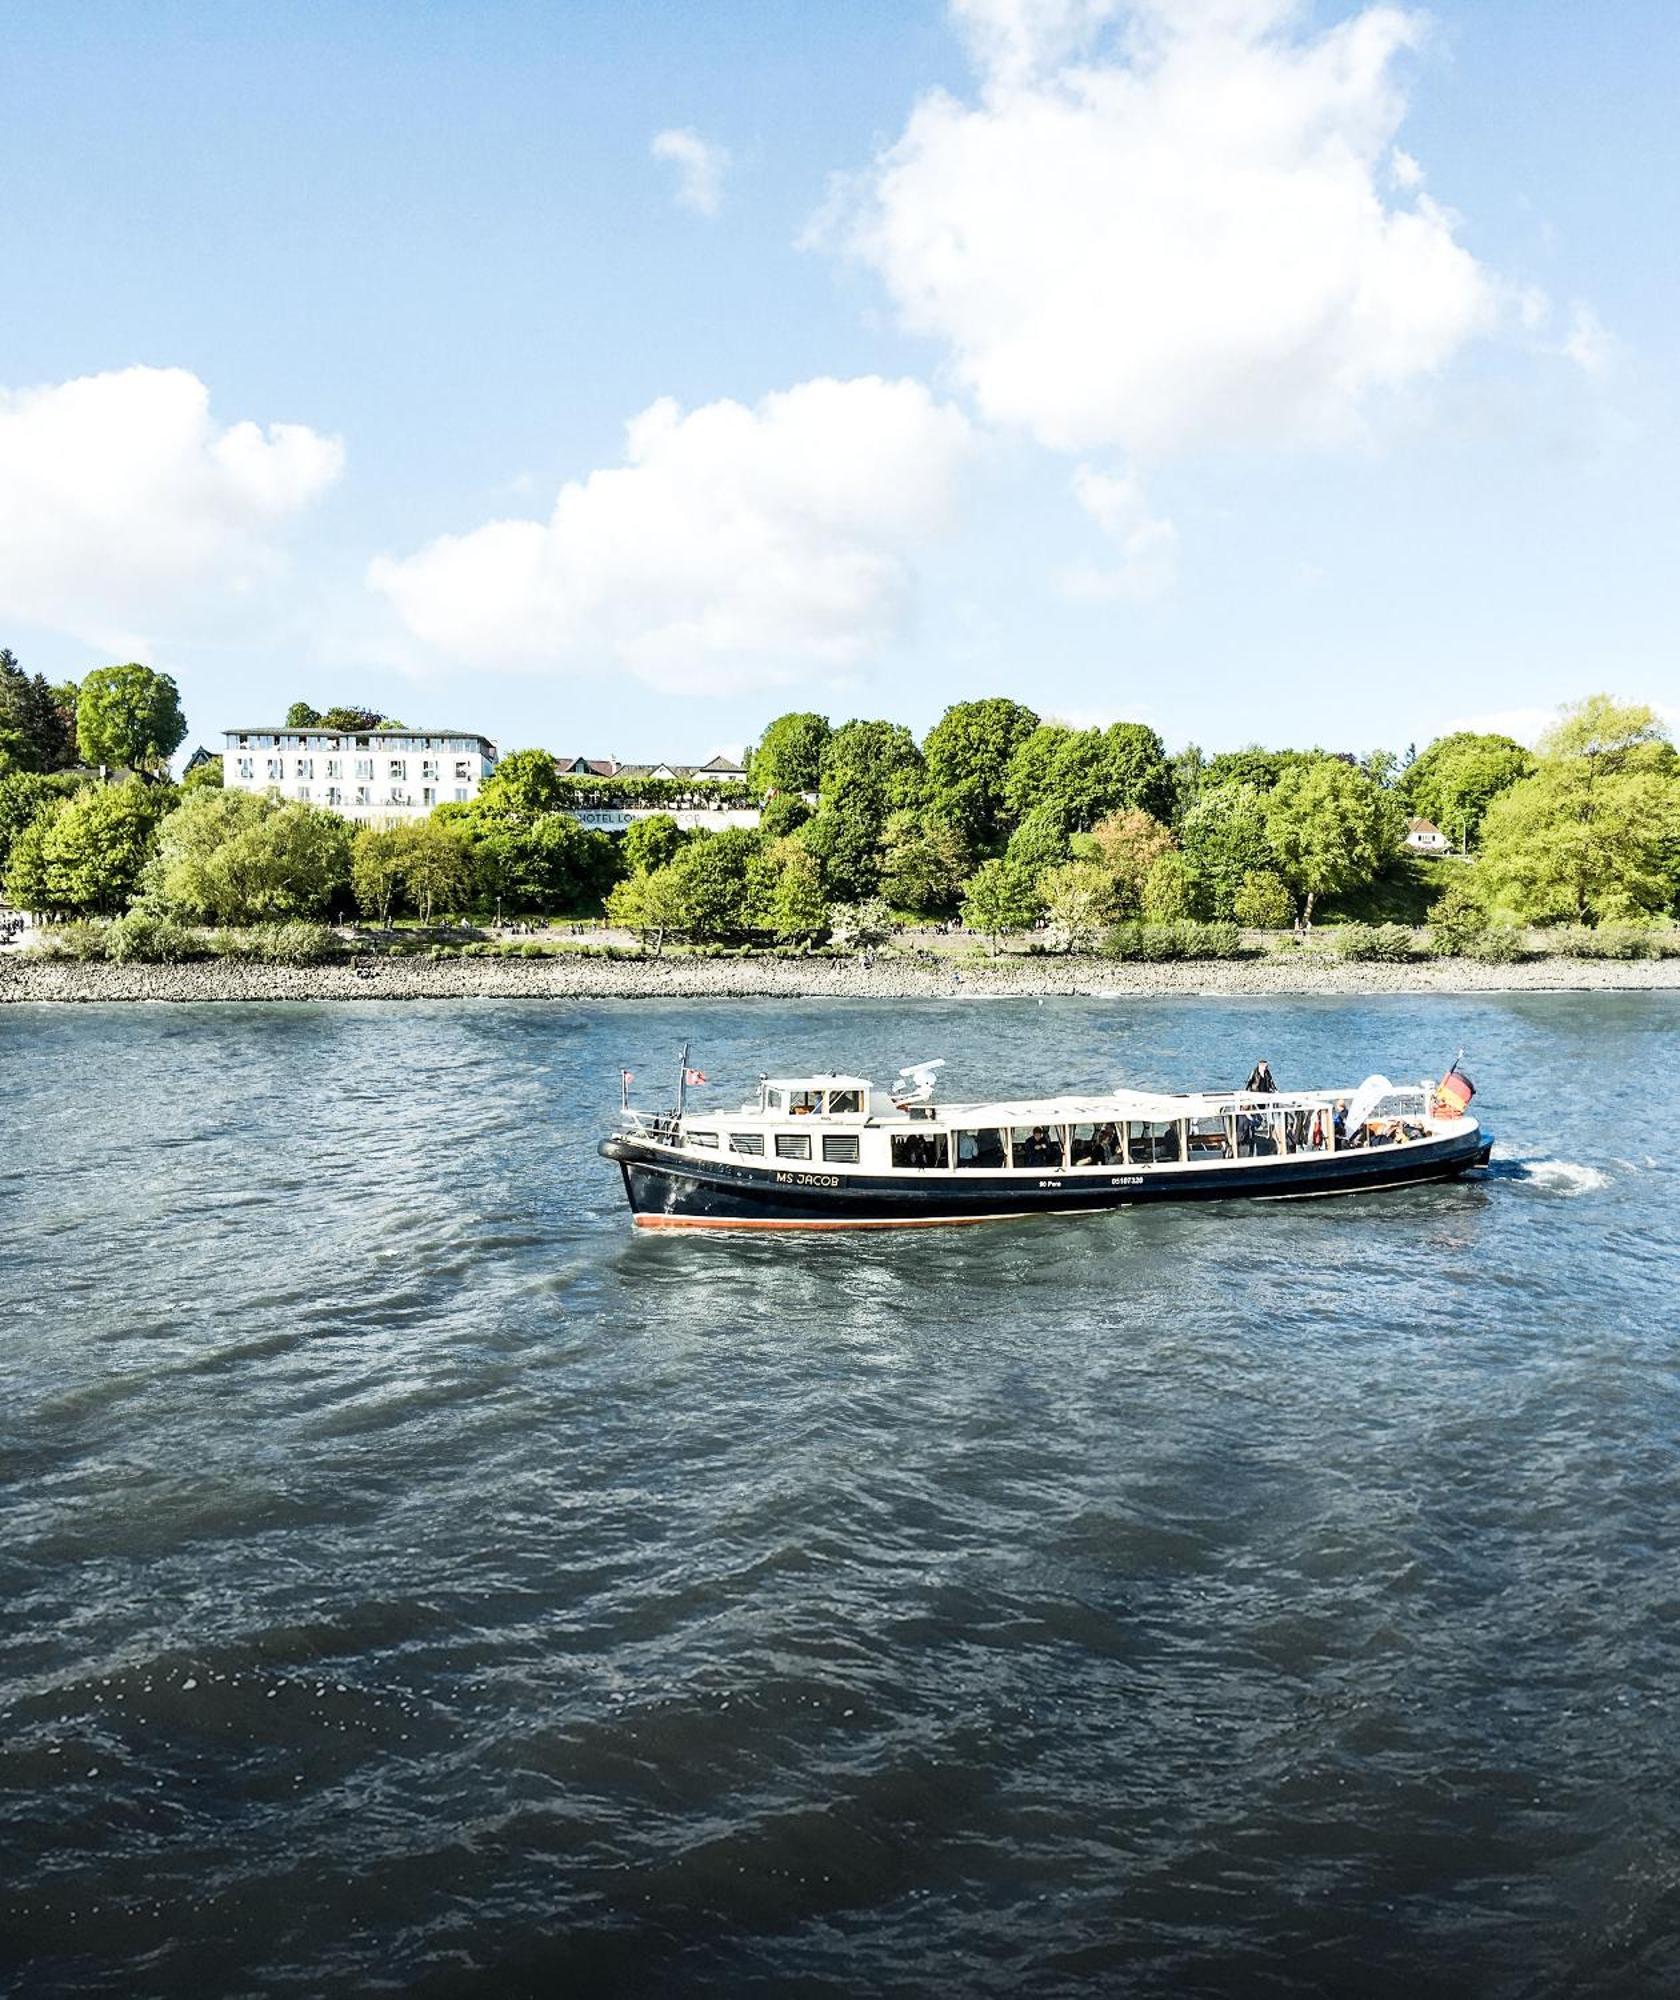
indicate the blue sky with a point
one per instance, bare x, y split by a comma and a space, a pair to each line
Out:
1070, 394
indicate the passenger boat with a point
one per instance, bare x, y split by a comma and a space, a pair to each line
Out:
836, 1152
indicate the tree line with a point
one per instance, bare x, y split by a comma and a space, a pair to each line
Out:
997, 817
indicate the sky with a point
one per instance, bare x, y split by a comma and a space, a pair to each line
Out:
613, 377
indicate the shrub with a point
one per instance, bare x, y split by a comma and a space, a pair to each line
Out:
82, 941
1161, 943
1355, 941
296, 943
144, 937
1263, 902
1498, 944
1608, 941
1392, 943
1664, 943
1457, 919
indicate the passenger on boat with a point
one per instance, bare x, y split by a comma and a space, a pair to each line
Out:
1261, 1081
1035, 1152
1339, 1121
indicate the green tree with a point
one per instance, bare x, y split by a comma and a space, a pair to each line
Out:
1126, 845
301, 716
650, 905
795, 908
1606, 735
788, 756
209, 774
1000, 898
87, 855
713, 879
1224, 840
1259, 769
967, 752
1263, 901
436, 866
376, 871
924, 861
783, 813
1166, 891
1189, 770
1079, 903
1459, 776
861, 926
1072, 778
525, 781
37, 733
129, 716
230, 857
1573, 844
652, 842
1458, 917
26, 794
1331, 830
352, 721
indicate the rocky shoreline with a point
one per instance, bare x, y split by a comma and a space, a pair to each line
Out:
27, 980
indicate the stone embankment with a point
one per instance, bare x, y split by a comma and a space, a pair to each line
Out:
890, 978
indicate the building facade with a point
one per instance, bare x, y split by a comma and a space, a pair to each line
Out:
379, 777
1423, 836
700, 814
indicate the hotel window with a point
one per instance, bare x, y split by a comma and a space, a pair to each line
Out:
841, 1148
460, 795
276, 767
246, 769
399, 767
463, 769
428, 767
793, 1145
428, 796
335, 798
306, 767
363, 795
335, 767
303, 793
364, 767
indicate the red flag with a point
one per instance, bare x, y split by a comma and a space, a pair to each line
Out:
627, 1077
694, 1076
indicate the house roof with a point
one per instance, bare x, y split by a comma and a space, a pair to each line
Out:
290, 729
1421, 826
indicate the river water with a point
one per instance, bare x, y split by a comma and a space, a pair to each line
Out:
414, 1580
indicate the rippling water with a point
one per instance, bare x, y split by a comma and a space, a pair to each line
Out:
414, 1580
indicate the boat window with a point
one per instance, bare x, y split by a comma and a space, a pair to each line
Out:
1096, 1146
980, 1149
702, 1138
747, 1142
1258, 1135
918, 1149
793, 1145
803, 1102
844, 1100
840, 1146
1037, 1145
1151, 1142
1209, 1139
773, 1100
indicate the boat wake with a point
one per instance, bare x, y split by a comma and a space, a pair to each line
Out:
1566, 1177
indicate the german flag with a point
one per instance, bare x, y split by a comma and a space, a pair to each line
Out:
1453, 1094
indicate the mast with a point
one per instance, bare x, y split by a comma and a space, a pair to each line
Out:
682, 1080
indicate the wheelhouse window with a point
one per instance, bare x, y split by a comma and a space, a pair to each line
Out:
1151, 1142
773, 1100
747, 1142
802, 1103
918, 1149
842, 1101
1096, 1145
841, 1148
980, 1149
1037, 1145
793, 1145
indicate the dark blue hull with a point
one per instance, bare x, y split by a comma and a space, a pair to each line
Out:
668, 1190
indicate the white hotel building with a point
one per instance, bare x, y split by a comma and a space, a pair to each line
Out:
381, 776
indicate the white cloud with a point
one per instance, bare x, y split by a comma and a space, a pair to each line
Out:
736, 547
700, 166
1146, 546
1169, 223
125, 513
1589, 342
